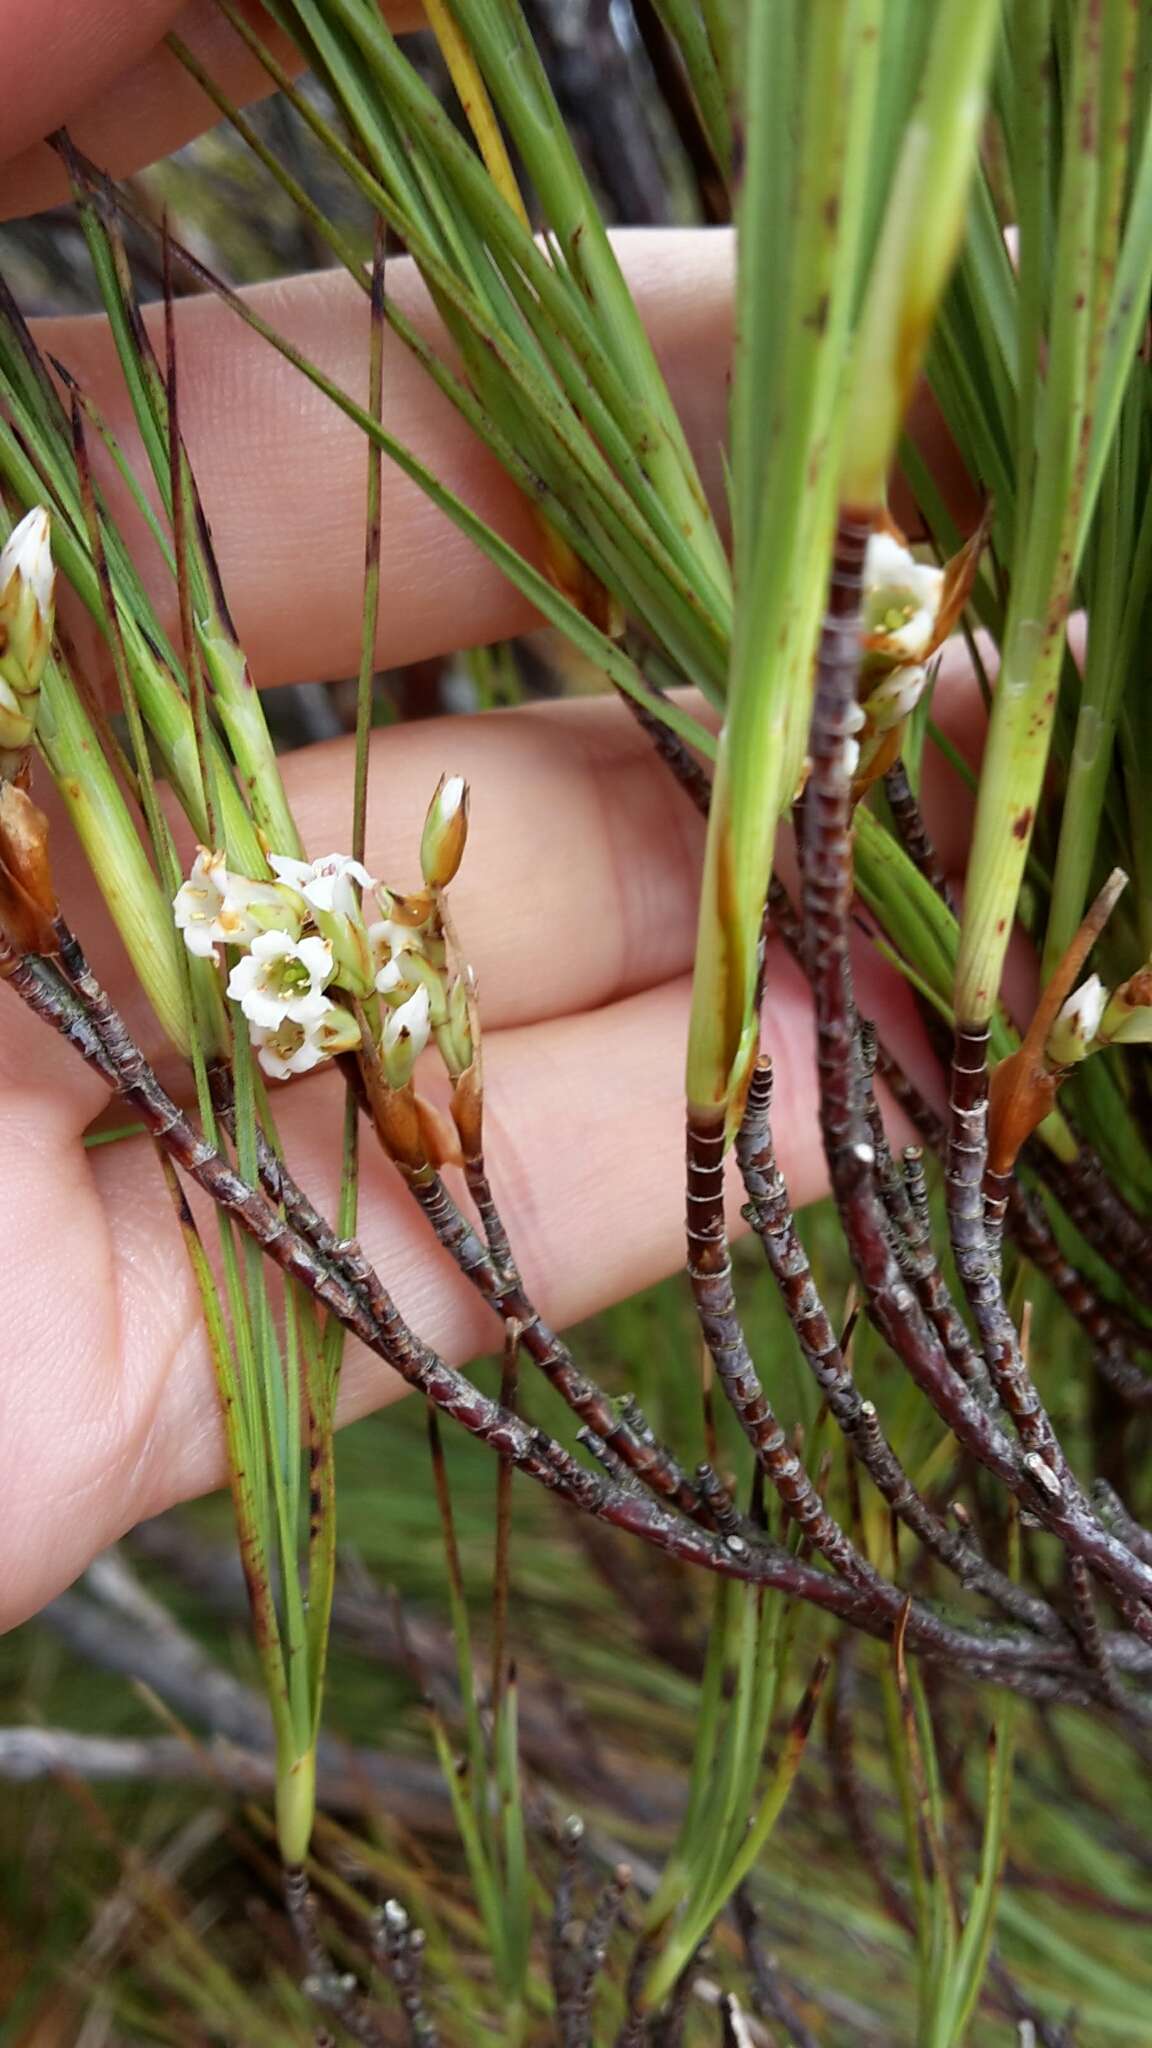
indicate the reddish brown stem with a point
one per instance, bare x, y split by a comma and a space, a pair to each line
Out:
1104, 1219
827, 873
1111, 1338
978, 1269
352, 1291
770, 1214
651, 1463
913, 833
710, 1274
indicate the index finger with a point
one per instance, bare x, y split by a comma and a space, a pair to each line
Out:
100, 68
282, 471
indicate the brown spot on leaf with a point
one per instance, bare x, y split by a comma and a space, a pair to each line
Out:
1022, 824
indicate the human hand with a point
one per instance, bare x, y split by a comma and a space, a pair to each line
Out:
577, 902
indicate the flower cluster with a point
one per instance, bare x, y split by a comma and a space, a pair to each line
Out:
324, 952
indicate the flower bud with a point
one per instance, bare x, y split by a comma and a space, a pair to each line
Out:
468, 1112
1128, 1018
404, 1037
455, 1039
895, 698
1074, 1033
27, 894
27, 616
338, 1031
445, 832
395, 977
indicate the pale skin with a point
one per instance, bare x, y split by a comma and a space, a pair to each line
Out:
577, 900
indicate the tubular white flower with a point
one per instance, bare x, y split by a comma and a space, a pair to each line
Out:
1072, 1035
901, 599
282, 979
289, 1049
295, 1047
196, 904
326, 884
217, 908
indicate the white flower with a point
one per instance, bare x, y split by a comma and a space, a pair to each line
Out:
289, 1049
325, 884
196, 904
282, 979
901, 599
216, 908
295, 1047
29, 550
1071, 1036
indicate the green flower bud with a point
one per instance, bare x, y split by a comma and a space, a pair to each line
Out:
1128, 1017
895, 698
27, 616
455, 1039
445, 832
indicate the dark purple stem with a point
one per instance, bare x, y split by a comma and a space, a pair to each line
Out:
770, 1214
827, 876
